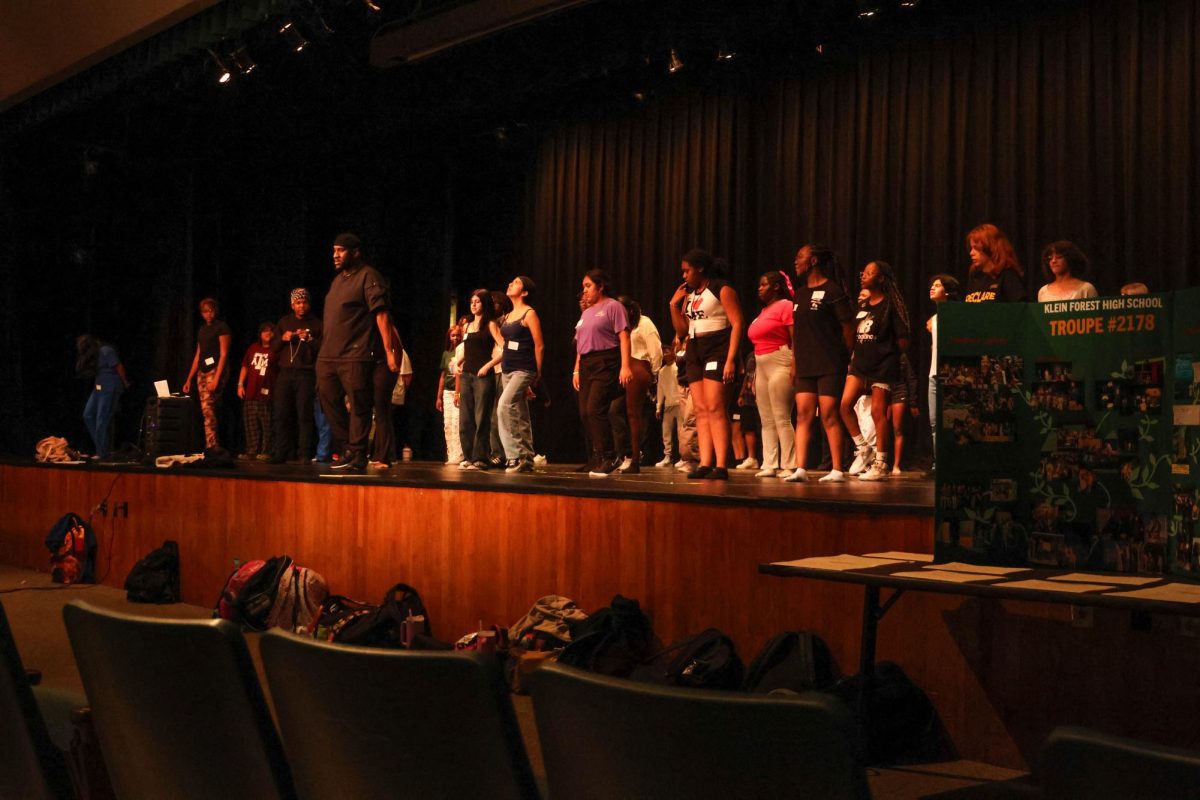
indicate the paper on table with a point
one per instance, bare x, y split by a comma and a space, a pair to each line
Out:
954, 566
1051, 586
839, 563
946, 577
1172, 593
926, 557
1119, 580
162, 388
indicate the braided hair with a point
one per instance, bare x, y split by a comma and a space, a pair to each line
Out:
892, 292
827, 262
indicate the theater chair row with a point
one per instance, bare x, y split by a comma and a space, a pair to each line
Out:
179, 713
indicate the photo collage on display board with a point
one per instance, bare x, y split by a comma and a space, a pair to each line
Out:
1056, 447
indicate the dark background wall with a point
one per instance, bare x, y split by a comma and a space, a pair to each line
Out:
528, 154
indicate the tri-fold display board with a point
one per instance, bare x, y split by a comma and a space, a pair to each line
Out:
1069, 434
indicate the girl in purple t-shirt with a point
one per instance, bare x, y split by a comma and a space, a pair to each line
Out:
602, 366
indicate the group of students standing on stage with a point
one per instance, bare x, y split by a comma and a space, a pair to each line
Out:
490, 370
812, 353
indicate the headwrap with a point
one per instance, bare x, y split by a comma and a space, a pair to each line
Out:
300, 294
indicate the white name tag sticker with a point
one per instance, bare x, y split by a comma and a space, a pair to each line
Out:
737, 416
208, 362
795, 306
265, 390
99, 388
860, 314
819, 294
579, 324
710, 365
513, 344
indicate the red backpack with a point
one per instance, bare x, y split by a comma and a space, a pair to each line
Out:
250, 592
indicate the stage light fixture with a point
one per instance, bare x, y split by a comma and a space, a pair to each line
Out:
242, 61
372, 6
291, 34
867, 8
224, 74
726, 54
674, 63
909, 3
639, 95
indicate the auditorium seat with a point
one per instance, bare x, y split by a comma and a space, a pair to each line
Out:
365, 722
32, 763
177, 707
1077, 762
610, 738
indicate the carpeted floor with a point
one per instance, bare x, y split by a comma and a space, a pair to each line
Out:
34, 608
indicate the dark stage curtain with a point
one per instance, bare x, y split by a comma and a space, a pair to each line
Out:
1076, 124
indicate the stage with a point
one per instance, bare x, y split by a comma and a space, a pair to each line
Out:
485, 546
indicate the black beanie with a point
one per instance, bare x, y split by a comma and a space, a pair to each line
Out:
348, 241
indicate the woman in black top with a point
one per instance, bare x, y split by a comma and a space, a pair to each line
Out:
882, 335
823, 329
208, 367
476, 387
996, 276
706, 310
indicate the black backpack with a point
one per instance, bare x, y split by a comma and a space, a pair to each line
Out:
352, 622
795, 660
612, 641
707, 660
901, 725
155, 579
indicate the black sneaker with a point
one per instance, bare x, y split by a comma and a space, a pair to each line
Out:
602, 470
700, 472
525, 465
717, 474
483, 465
356, 464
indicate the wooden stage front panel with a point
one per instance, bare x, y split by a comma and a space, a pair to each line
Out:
1001, 674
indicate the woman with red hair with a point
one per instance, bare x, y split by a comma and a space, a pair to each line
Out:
996, 276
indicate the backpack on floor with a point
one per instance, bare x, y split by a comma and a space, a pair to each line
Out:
795, 660
250, 592
612, 641
348, 621
298, 600
155, 579
72, 546
901, 725
707, 660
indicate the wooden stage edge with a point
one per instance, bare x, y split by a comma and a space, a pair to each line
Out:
1001, 674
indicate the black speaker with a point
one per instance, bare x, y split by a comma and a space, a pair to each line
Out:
171, 426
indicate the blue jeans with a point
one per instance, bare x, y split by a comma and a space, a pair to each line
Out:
933, 422
97, 416
512, 412
324, 434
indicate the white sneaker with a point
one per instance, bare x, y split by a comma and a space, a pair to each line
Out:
465, 465
750, 463
769, 472
687, 466
863, 458
877, 472
539, 460
681, 463
624, 465
834, 476
799, 476
666, 462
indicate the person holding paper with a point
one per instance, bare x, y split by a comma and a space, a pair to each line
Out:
209, 367
521, 365
296, 385
705, 308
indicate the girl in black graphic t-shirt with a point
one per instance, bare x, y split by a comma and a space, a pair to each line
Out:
882, 332
996, 276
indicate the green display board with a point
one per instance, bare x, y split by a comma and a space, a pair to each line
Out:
1069, 434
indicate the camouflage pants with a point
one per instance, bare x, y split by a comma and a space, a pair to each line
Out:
210, 397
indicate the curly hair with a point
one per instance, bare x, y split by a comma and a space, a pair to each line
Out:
1077, 262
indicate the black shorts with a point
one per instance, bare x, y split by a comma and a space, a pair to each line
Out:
830, 385
874, 381
747, 416
899, 393
706, 356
